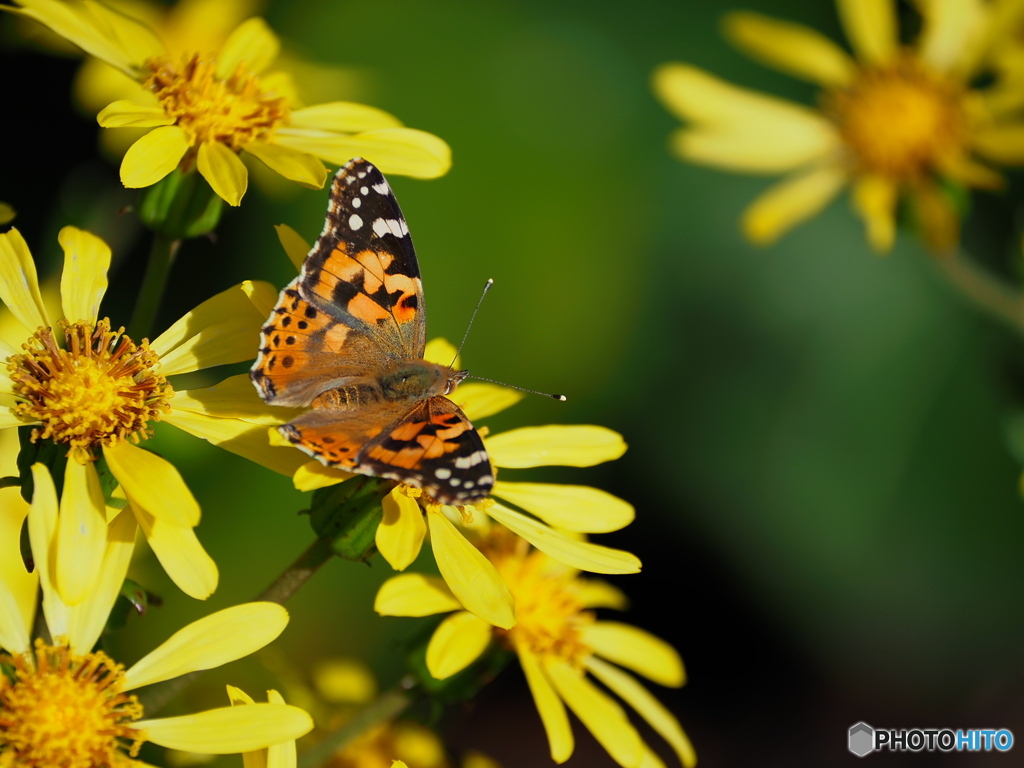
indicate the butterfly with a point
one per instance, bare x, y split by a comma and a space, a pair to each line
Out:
347, 337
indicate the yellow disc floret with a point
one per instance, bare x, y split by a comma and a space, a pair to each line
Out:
63, 711
549, 611
232, 111
901, 122
98, 389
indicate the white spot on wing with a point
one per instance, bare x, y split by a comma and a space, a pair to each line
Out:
356, 202
442, 473
355, 221
383, 188
396, 227
364, 190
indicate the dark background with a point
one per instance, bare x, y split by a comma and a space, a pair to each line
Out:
821, 452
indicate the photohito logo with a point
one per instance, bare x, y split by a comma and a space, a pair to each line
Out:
863, 739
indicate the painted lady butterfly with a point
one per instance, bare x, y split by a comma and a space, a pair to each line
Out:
347, 337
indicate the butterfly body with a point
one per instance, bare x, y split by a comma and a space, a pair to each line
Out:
347, 338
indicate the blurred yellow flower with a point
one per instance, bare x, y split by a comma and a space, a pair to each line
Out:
64, 705
894, 122
558, 641
95, 393
6, 213
204, 111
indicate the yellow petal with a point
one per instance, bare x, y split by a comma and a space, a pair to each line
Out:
87, 620
81, 532
648, 707
84, 279
180, 553
153, 156
98, 30
470, 576
283, 754
413, 594
578, 445
871, 28
875, 200
790, 202
576, 508
696, 95
441, 351
342, 117
949, 26
456, 643
549, 706
153, 483
8, 418
300, 167
401, 530
636, 649
128, 114
792, 48
400, 151
19, 589
602, 717
261, 294
313, 475
42, 531
243, 438
749, 150
7, 213
235, 397
19, 286
217, 332
479, 400
230, 729
596, 593
221, 637
1002, 143
252, 46
293, 243
578, 554
345, 681
223, 170
238, 696
970, 173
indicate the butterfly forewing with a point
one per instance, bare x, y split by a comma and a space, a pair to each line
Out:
363, 267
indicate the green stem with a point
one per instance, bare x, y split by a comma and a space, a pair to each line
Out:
298, 573
384, 708
287, 584
161, 256
986, 291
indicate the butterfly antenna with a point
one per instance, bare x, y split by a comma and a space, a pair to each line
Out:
487, 287
521, 389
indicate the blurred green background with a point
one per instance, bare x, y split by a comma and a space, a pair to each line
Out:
827, 504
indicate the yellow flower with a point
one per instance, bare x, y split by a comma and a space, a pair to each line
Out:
558, 641
63, 705
94, 392
205, 110
894, 122
190, 25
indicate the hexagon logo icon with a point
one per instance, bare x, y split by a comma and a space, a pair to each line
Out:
862, 739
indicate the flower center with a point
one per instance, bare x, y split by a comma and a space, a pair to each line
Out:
900, 122
233, 112
550, 614
99, 389
64, 711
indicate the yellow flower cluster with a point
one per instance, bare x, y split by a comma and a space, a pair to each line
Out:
84, 396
